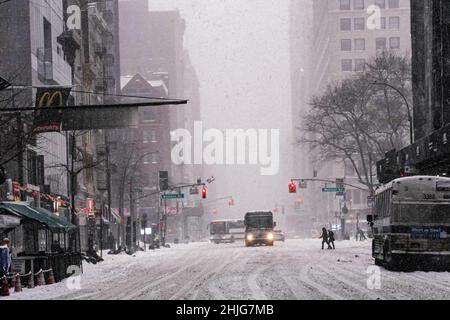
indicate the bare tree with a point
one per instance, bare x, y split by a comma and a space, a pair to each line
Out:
359, 120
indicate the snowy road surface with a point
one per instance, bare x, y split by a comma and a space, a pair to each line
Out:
295, 269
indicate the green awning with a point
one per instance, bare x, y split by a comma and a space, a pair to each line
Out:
52, 221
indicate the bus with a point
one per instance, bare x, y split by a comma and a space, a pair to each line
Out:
411, 223
226, 230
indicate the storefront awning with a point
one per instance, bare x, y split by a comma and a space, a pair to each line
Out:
53, 222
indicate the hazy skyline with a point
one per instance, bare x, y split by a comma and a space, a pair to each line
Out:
240, 51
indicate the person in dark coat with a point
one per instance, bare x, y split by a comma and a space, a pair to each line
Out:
331, 239
324, 237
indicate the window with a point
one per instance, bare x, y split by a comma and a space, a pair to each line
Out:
154, 158
346, 24
359, 23
358, 4
394, 43
346, 44
360, 65
346, 65
394, 23
149, 115
380, 3
153, 136
345, 4
381, 43
360, 44
394, 4
383, 22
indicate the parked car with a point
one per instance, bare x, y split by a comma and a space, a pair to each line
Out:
279, 235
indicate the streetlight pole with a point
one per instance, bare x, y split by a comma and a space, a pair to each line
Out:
410, 119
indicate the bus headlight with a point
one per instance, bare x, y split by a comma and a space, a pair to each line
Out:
250, 237
270, 236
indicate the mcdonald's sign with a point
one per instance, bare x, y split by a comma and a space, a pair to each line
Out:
47, 120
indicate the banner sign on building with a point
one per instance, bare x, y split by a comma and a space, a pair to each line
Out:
50, 120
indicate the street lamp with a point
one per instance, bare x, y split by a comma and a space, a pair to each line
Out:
410, 119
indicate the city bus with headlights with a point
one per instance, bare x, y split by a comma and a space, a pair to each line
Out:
226, 231
411, 223
259, 228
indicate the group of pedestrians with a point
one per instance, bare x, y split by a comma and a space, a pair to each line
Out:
328, 238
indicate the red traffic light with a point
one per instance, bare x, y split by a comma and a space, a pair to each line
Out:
204, 192
292, 187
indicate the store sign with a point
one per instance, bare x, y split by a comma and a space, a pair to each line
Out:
47, 120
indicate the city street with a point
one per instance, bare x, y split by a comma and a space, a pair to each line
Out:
295, 269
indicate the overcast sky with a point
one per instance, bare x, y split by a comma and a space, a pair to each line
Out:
240, 50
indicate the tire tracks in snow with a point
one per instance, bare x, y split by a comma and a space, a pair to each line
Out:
206, 275
339, 275
304, 277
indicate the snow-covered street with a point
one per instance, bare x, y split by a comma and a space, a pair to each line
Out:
295, 269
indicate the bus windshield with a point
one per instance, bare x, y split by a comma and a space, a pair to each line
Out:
260, 222
239, 224
218, 228
436, 213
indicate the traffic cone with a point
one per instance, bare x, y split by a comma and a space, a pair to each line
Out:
18, 286
40, 278
12, 284
50, 278
5, 288
31, 281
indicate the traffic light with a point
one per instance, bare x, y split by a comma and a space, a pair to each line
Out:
231, 202
204, 192
292, 187
163, 180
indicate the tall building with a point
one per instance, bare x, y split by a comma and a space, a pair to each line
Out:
32, 57
152, 47
342, 36
430, 66
92, 50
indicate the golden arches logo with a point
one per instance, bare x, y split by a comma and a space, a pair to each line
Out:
50, 99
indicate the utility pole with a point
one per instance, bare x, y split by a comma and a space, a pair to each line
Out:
108, 176
165, 222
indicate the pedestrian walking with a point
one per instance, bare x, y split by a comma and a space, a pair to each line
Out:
5, 257
331, 239
362, 236
324, 237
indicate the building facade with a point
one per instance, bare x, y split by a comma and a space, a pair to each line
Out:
332, 40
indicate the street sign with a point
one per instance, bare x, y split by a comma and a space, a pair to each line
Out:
173, 196
333, 189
